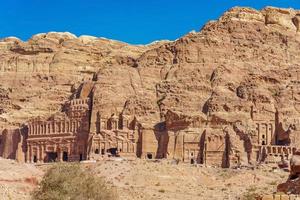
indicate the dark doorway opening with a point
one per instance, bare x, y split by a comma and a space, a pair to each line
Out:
192, 161
294, 176
65, 156
51, 156
263, 143
102, 151
80, 157
97, 151
34, 159
149, 155
113, 151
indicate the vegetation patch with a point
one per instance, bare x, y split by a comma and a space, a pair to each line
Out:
70, 181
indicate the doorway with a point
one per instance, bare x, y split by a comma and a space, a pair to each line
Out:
149, 155
51, 156
65, 156
97, 151
113, 151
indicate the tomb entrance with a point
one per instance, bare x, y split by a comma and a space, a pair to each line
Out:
51, 156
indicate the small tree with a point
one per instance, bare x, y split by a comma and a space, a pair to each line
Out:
71, 182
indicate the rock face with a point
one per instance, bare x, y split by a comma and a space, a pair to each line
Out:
37, 76
227, 94
292, 185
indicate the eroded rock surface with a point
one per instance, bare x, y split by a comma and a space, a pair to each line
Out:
232, 87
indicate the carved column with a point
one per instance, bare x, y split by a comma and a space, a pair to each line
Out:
60, 126
51, 127
30, 154
68, 126
71, 126
27, 154
116, 124
29, 129
36, 129
133, 147
266, 134
57, 127
37, 153
258, 133
76, 126
42, 156
41, 128
101, 124
64, 126
54, 127
69, 150
61, 155
33, 129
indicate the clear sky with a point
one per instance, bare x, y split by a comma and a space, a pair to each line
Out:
132, 21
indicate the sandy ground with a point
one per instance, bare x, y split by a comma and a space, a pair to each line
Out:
17, 180
149, 180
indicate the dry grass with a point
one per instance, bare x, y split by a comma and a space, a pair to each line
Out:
70, 181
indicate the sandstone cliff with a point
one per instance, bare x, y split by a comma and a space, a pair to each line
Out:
37, 76
245, 62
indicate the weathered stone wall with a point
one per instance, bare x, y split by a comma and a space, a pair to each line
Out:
12, 144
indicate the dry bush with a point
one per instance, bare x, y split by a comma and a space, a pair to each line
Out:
71, 182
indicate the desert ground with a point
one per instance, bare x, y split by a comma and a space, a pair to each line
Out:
148, 180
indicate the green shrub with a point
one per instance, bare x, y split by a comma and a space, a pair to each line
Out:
71, 182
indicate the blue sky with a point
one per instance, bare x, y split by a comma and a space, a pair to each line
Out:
132, 21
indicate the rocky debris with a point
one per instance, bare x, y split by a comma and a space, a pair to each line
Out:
141, 179
292, 185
